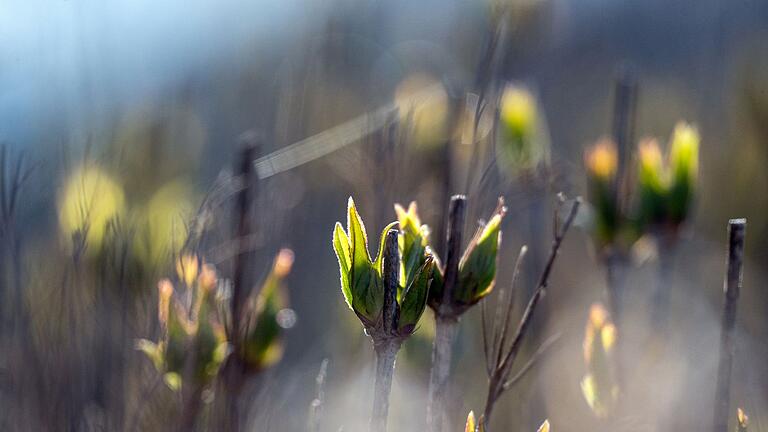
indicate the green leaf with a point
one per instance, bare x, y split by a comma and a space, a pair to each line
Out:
358, 237
341, 247
438, 280
366, 288
477, 269
379, 263
415, 298
413, 242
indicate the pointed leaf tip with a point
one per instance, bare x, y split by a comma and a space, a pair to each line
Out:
471, 423
544, 426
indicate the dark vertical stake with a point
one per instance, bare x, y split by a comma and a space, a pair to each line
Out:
625, 101
446, 319
456, 215
731, 288
242, 278
243, 223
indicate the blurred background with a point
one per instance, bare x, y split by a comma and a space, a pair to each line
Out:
145, 105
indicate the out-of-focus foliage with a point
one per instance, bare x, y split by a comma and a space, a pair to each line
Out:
522, 144
666, 187
423, 103
599, 386
88, 202
610, 225
193, 344
663, 189
742, 420
267, 314
162, 223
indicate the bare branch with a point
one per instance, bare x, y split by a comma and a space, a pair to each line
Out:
543, 348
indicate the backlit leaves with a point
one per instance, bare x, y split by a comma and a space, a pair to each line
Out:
362, 282
477, 268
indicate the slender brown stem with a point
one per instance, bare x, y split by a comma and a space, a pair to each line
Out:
190, 410
731, 288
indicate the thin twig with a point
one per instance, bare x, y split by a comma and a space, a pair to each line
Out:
499, 379
316, 408
543, 348
731, 288
508, 316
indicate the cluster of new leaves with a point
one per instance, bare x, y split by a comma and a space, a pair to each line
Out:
599, 386
193, 342
362, 279
664, 188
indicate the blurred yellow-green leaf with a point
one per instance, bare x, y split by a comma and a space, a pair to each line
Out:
89, 200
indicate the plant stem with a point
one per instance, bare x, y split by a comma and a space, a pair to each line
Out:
446, 319
385, 368
732, 287
190, 410
386, 341
662, 293
616, 276
390, 276
445, 335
